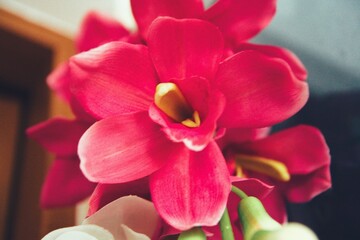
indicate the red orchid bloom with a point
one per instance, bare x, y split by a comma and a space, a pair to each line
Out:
98, 29
231, 16
160, 107
64, 184
303, 152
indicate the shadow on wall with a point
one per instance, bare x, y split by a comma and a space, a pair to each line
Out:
325, 77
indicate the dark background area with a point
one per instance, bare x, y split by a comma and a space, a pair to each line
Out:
335, 213
325, 34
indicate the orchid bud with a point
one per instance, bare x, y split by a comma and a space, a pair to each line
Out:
193, 234
258, 225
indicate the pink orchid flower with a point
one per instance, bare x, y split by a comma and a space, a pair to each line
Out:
161, 107
233, 19
238, 21
295, 160
127, 218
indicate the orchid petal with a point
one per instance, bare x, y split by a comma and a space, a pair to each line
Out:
65, 184
145, 11
192, 189
123, 148
239, 20
181, 49
97, 29
303, 188
302, 149
135, 213
82, 232
275, 205
114, 78
273, 51
106, 193
260, 91
58, 135
234, 136
252, 187
80, 112
59, 81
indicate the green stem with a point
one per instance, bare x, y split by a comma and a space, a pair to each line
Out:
225, 226
239, 192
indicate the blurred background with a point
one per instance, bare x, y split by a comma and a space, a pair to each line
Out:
325, 34
36, 35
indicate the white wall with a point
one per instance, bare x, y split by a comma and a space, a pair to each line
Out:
65, 15
326, 35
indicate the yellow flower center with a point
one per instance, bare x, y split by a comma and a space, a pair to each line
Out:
270, 167
170, 100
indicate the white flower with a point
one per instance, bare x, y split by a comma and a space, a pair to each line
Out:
127, 218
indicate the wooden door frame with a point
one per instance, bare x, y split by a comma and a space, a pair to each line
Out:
62, 47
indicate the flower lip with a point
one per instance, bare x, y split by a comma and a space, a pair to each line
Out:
208, 104
171, 101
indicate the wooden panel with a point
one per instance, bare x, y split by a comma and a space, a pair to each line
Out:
9, 127
27, 53
61, 46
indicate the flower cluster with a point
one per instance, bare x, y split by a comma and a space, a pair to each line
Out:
179, 113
